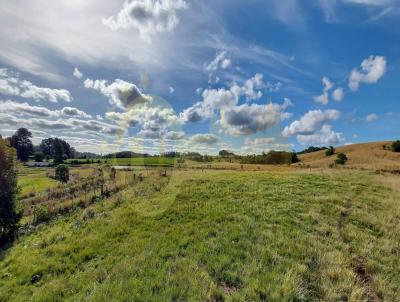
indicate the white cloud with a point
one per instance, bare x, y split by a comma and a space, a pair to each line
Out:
260, 141
70, 111
43, 93
220, 61
372, 69
204, 139
120, 93
147, 16
371, 117
325, 136
338, 94
77, 73
11, 84
175, 135
310, 122
16, 108
171, 90
8, 83
324, 97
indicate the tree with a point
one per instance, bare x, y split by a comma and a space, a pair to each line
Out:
396, 146
58, 152
57, 149
330, 151
295, 159
39, 156
341, 159
8, 191
62, 173
21, 141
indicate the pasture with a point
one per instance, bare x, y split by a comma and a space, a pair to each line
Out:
219, 235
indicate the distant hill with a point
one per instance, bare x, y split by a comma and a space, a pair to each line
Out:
371, 156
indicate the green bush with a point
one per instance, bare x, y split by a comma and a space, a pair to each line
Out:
396, 146
330, 151
341, 159
41, 214
62, 173
39, 157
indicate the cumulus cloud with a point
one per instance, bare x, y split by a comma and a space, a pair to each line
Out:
250, 118
120, 93
310, 122
372, 69
77, 73
325, 136
260, 141
371, 117
204, 139
147, 16
324, 97
338, 94
223, 99
154, 121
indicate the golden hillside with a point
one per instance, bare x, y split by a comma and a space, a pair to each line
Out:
371, 156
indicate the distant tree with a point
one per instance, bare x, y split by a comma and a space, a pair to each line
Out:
8, 191
396, 146
312, 149
62, 173
341, 159
39, 156
58, 155
225, 153
21, 141
295, 159
57, 149
330, 151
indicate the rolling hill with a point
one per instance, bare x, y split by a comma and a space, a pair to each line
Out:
369, 156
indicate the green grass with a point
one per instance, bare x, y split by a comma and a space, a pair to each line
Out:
33, 180
214, 236
134, 161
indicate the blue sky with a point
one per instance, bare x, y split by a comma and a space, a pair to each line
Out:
157, 75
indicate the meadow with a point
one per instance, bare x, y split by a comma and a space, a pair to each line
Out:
219, 235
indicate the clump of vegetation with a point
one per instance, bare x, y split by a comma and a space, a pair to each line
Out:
41, 214
396, 146
330, 151
39, 157
271, 158
341, 159
8, 192
312, 149
62, 173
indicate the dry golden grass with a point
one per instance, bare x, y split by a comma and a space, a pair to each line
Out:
369, 156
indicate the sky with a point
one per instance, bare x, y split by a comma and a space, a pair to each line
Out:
202, 76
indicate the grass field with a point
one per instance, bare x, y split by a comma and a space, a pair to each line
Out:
33, 180
219, 235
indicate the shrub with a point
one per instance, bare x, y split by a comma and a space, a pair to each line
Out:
39, 157
330, 151
41, 214
396, 146
8, 191
62, 173
295, 159
341, 159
